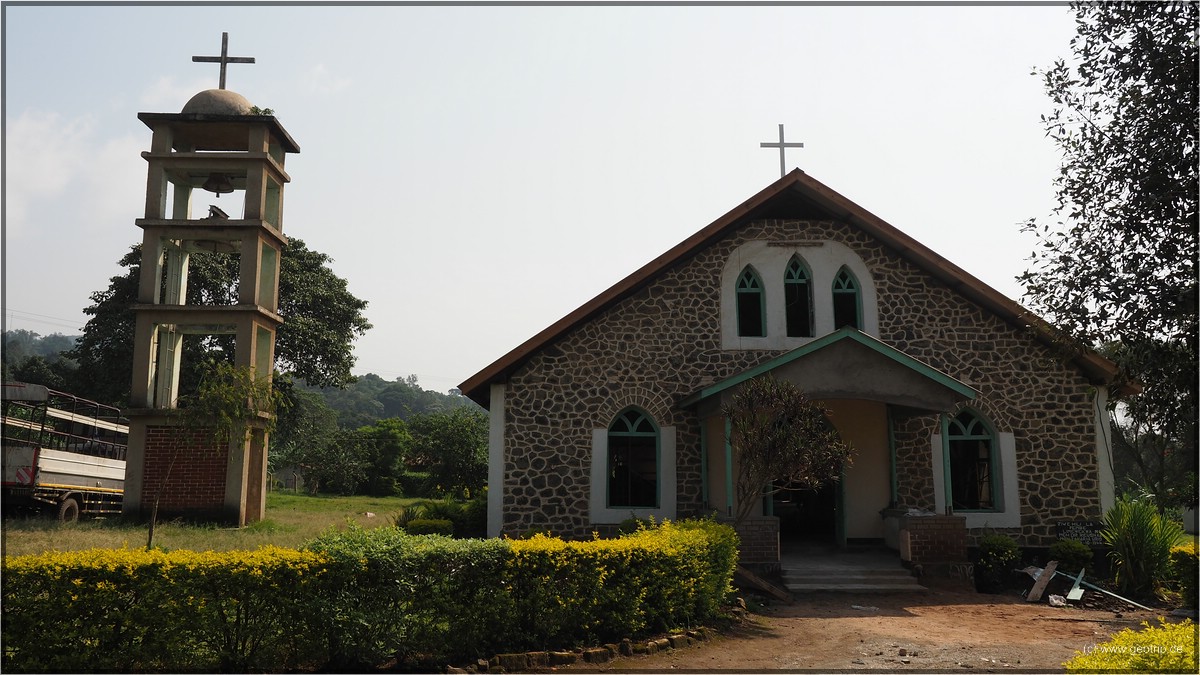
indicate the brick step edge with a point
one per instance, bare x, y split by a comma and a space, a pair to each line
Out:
544, 661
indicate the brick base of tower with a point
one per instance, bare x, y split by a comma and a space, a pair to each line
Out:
191, 475
184, 472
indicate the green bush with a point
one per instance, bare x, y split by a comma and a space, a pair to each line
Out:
459, 514
1141, 539
1073, 556
997, 558
425, 600
1168, 648
1185, 570
414, 484
469, 519
443, 509
430, 526
474, 519
405, 514
382, 486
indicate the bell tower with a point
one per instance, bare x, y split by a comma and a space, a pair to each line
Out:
221, 144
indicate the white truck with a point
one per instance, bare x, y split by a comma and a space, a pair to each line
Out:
62, 454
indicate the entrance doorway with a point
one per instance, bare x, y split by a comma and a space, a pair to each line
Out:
808, 516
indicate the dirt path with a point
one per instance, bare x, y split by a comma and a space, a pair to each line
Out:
943, 630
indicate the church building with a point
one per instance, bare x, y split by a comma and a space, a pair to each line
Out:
960, 405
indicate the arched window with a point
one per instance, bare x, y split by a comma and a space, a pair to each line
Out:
798, 298
751, 305
632, 461
972, 462
847, 307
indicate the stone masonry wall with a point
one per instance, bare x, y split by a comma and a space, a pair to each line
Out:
662, 344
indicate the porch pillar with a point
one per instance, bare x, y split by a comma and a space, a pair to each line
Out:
728, 470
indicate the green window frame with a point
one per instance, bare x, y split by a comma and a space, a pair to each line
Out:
974, 456
798, 298
751, 305
847, 300
633, 461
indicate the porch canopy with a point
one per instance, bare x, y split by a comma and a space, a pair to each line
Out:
849, 364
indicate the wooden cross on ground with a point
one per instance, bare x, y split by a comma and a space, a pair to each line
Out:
781, 145
225, 59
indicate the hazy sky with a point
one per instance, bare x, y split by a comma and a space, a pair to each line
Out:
476, 173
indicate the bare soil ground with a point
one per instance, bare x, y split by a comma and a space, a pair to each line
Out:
949, 628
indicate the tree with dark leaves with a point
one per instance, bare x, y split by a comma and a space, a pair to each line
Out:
315, 343
781, 439
1118, 270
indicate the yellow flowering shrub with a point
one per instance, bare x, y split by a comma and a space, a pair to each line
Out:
1168, 648
137, 610
1185, 571
605, 589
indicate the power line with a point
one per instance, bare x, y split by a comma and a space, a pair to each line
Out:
34, 318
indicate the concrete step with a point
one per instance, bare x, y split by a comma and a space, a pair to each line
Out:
851, 581
811, 571
913, 587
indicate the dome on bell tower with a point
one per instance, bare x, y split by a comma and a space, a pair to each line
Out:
217, 102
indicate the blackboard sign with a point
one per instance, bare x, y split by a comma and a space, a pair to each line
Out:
1084, 531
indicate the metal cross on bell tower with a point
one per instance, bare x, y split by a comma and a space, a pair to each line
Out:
781, 145
224, 59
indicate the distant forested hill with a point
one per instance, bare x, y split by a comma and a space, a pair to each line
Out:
371, 398
27, 356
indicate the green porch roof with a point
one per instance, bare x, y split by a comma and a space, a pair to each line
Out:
895, 377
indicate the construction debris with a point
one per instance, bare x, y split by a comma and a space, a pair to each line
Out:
1043, 578
1077, 592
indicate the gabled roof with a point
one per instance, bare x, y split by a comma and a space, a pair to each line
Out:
796, 195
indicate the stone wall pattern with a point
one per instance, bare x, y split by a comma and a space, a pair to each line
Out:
662, 344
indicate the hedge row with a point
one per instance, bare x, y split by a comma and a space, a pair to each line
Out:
1165, 648
356, 599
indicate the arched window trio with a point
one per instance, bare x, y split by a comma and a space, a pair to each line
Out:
797, 286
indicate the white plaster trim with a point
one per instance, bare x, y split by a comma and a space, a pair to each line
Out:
1009, 513
599, 512
824, 260
495, 499
1104, 466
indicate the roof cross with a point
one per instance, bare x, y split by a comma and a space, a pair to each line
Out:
224, 58
781, 145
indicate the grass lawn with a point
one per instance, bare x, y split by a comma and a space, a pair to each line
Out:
291, 520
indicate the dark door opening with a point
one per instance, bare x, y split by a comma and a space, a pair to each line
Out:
806, 515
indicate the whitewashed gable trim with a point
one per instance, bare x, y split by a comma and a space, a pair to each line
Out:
770, 260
